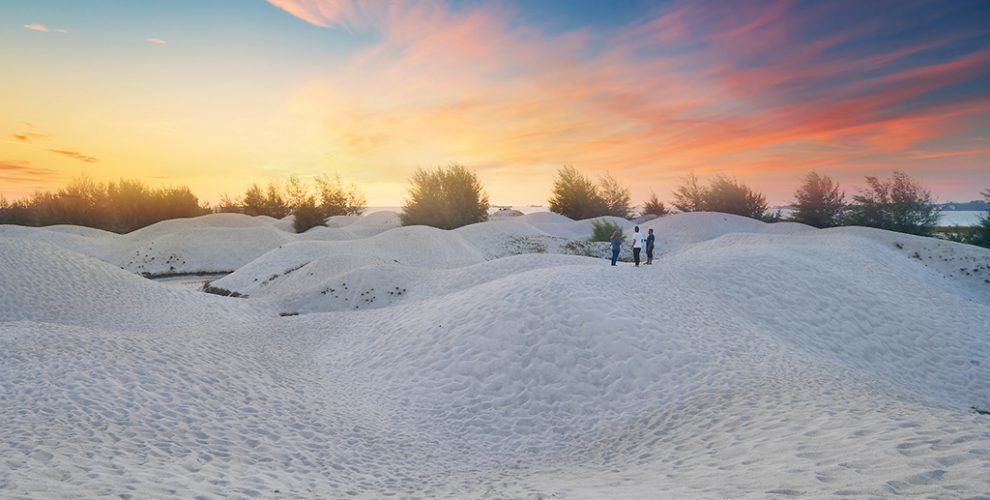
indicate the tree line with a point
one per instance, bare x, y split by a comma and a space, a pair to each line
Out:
453, 197
310, 206
126, 205
450, 197
120, 207
897, 204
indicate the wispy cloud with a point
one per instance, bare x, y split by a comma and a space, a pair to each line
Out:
75, 155
158, 41
29, 137
927, 155
45, 29
22, 172
353, 15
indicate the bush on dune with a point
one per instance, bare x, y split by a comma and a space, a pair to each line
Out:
332, 197
601, 230
269, 201
119, 207
307, 215
616, 197
723, 194
896, 204
338, 199
690, 196
654, 206
819, 202
575, 196
445, 198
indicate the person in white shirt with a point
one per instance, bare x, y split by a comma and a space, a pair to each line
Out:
637, 244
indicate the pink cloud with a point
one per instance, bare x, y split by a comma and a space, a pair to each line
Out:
158, 41
475, 86
349, 14
44, 29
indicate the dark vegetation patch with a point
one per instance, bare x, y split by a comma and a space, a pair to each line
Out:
215, 290
182, 275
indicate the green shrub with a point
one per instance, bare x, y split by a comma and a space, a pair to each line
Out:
575, 196
818, 202
445, 198
616, 197
337, 198
654, 206
307, 215
723, 194
898, 204
602, 230
120, 207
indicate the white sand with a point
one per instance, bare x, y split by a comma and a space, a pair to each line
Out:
751, 361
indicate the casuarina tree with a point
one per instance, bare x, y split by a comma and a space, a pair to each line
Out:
818, 202
723, 194
897, 204
615, 196
575, 196
654, 206
445, 198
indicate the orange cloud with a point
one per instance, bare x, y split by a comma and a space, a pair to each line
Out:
75, 155
21, 172
29, 137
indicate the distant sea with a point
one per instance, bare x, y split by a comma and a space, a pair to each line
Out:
949, 218
960, 217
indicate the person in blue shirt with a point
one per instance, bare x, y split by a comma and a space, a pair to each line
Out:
650, 240
616, 245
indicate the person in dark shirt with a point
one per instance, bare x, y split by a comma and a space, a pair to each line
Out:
650, 240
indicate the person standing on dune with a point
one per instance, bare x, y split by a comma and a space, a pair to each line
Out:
616, 245
650, 240
637, 244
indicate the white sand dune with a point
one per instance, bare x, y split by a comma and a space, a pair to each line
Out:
751, 361
209, 244
45, 283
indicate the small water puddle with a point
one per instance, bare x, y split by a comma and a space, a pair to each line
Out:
189, 281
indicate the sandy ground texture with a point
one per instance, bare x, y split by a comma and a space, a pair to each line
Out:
501, 360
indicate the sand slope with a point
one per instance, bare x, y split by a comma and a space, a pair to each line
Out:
751, 361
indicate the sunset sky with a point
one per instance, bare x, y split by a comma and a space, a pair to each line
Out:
217, 94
